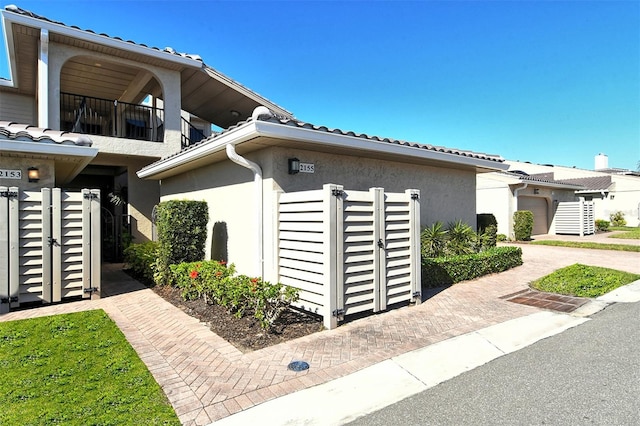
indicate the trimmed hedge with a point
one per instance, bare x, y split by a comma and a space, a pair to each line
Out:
523, 225
602, 225
483, 220
182, 232
445, 271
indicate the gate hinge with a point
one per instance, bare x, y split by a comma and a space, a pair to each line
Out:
90, 195
415, 196
339, 313
12, 299
52, 242
91, 290
337, 192
9, 194
417, 294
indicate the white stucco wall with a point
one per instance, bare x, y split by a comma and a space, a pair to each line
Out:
446, 194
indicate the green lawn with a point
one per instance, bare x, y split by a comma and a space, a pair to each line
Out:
628, 234
584, 281
76, 369
587, 245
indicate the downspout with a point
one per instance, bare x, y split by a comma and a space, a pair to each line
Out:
515, 203
257, 182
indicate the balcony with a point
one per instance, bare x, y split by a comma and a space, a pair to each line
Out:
104, 117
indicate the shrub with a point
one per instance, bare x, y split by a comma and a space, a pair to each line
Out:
487, 238
461, 239
216, 283
433, 240
483, 220
141, 259
204, 279
450, 270
501, 238
182, 231
602, 225
617, 219
522, 225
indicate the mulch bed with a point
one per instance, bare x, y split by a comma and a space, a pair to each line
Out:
244, 333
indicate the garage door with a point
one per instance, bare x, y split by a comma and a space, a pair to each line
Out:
539, 208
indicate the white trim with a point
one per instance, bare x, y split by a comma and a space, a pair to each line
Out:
255, 129
43, 148
98, 39
43, 80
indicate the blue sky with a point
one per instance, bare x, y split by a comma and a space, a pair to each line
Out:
543, 81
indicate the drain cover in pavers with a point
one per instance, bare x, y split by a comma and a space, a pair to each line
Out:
298, 366
554, 302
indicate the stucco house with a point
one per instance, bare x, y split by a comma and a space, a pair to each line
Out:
135, 104
244, 172
543, 187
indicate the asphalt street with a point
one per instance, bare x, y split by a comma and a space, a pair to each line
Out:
589, 374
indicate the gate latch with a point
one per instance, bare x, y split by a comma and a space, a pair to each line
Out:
337, 192
91, 290
9, 194
52, 242
381, 243
339, 313
12, 299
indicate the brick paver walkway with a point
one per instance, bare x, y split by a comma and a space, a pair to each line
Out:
206, 378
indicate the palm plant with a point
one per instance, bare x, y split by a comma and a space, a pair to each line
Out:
433, 240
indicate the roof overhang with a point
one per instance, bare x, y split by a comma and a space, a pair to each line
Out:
69, 160
259, 134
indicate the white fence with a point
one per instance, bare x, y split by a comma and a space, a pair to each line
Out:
349, 251
575, 218
49, 245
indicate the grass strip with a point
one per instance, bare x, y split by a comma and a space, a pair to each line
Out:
76, 369
628, 234
584, 281
587, 245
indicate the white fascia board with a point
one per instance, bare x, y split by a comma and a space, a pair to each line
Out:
11, 57
40, 148
281, 131
98, 39
243, 133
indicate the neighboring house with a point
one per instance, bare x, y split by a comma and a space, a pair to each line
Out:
137, 104
610, 190
503, 193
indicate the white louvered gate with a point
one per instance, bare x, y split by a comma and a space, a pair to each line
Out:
50, 245
575, 218
349, 251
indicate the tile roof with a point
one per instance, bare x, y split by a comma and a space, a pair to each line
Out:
286, 121
541, 178
16, 9
168, 50
15, 131
594, 183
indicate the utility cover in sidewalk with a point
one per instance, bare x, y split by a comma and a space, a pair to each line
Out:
298, 366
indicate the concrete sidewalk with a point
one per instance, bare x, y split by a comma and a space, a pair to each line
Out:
206, 379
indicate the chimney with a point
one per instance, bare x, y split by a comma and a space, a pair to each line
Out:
601, 162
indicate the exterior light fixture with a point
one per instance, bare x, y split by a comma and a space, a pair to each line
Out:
294, 166
235, 113
33, 174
